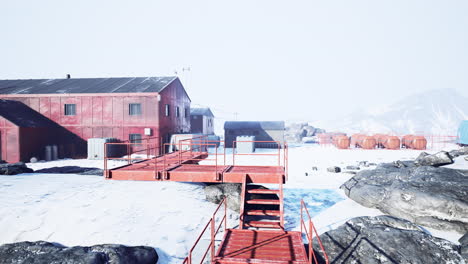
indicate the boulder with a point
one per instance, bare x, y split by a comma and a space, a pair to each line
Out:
459, 152
231, 191
431, 196
72, 170
334, 169
215, 193
464, 246
14, 168
45, 252
438, 159
350, 167
385, 239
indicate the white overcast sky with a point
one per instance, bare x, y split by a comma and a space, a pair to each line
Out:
266, 60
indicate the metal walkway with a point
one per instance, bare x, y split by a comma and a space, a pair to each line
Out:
260, 236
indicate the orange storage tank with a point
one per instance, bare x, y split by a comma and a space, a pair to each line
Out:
380, 138
367, 142
341, 142
391, 142
355, 138
406, 141
418, 142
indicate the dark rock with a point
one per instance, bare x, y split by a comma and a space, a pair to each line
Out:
334, 169
314, 168
458, 152
350, 172
372, 164
439, 159
72, 170
215, 193
352, 167
396, 164
14, 168
45, 252
364, 163
464, 246
385, 239
231, 191
306, 174
432, 196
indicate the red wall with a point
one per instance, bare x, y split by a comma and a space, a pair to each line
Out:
9, 140
107, 115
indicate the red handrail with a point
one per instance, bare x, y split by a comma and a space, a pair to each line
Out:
310, 235
213, 232
278, 144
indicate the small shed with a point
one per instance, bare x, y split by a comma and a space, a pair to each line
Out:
24, 133
262, 130
201, 121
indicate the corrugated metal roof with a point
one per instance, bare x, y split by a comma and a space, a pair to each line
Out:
86, 85
206, 111
265, 125
22, 115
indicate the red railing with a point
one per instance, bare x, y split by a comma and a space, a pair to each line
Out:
309, 232
282, 156
152, 149
214, 230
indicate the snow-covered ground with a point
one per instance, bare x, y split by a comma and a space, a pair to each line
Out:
85, 210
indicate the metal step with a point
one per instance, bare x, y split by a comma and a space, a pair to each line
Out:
263, 201
262, 191
263, 212
263, 224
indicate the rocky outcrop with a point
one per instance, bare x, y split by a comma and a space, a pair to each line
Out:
231, 191
431, 196
296, 132
14, 168
45, 252
464, 247
385, 239
459, 152
438, 159
72, 170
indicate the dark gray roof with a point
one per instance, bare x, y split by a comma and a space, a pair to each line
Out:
22, 115
265, 125
201, 111
85, 85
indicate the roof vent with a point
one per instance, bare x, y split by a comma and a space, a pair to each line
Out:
68, 76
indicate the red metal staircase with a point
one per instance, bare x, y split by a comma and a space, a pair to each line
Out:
261, 208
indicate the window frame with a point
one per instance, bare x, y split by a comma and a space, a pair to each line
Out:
167, 110
137, 113
137, 142
66, 110
177, 111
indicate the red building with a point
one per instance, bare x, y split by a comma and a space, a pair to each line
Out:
123, 108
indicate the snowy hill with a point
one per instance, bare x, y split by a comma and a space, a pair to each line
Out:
437, 112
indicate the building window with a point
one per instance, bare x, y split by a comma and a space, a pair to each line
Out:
134, 109
186, 112
70, 109
135, 138
168, 110
177, 111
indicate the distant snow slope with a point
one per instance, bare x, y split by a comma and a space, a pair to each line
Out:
437, 112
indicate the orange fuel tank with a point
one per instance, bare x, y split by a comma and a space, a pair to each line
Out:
414, 142
419, 142
355, 138
391, 142
341, 142
367, 142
